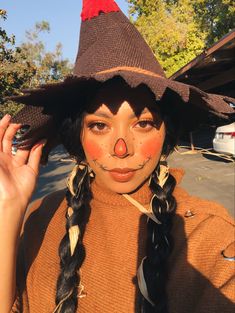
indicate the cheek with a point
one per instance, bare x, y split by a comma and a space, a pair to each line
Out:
151, 147
92, 149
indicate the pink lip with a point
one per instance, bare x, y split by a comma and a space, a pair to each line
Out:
122, 170
122, 175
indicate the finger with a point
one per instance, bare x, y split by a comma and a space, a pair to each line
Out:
4, 123
21, 156
35, 156
8, 137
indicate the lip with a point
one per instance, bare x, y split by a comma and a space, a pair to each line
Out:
122, 170
122, 174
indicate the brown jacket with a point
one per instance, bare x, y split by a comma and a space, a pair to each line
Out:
201, 278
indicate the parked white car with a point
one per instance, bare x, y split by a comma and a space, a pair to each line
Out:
224, 140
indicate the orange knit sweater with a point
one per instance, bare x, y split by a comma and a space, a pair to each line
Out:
200, 278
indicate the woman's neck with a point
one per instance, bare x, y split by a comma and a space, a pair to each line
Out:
104, 195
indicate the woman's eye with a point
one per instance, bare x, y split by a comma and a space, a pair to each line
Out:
145, 124
98, 126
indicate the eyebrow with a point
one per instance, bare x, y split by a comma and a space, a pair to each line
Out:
133, 115
102, 114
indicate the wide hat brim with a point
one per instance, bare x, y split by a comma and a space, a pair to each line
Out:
110, 46
186, 104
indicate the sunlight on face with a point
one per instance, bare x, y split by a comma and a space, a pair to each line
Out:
123, 148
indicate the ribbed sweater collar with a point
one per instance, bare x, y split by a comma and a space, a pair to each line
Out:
142, 195
105, 196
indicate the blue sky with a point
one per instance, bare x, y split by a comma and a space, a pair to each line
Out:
63, 16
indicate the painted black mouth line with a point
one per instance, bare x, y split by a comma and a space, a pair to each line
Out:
105, 168
144, 163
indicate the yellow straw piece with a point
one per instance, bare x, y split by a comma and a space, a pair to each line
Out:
73, 237
141, 208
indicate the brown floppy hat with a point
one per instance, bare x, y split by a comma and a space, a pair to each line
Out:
110, 46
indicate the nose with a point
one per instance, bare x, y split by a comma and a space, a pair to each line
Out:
120, 148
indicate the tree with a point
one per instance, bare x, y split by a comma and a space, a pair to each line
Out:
177, 30
28, 65
49, 66
217, 16
13, 75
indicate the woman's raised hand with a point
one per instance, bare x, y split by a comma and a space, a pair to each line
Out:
18, 173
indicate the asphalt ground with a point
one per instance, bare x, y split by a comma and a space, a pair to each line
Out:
206, 176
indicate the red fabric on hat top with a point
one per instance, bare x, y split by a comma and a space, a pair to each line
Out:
92, 8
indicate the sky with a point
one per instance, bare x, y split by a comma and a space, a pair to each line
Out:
63, 17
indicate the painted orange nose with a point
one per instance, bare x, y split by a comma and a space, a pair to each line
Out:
120, 148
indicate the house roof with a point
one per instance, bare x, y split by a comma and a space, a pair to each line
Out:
214, 69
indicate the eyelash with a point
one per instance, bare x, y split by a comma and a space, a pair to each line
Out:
150, 122
92, 125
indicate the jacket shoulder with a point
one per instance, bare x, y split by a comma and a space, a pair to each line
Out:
204, 230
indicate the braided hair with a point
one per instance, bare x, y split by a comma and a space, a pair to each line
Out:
159, 245
69, 285
159, 242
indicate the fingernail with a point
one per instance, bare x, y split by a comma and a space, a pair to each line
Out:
41, 143
44, 142
7, 116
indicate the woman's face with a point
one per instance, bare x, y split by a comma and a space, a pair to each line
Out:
122, 145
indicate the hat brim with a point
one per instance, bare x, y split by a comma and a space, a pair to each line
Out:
185, 103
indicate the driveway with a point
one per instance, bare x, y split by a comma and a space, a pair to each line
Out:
207, 177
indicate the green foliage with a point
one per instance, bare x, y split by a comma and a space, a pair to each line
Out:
179, 30
15, 70
28, 65
49, 66
5, 53
216, 16
10, 107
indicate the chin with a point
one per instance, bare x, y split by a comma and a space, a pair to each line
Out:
123, 189
126, 187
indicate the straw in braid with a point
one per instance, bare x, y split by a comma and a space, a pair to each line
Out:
152, 272
71, 250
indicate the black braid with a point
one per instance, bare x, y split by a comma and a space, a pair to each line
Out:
69, 278
159, 245
159, 242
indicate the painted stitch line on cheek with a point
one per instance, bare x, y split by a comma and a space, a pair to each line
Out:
93, 149
151, 147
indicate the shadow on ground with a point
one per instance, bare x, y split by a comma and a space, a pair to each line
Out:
53, 175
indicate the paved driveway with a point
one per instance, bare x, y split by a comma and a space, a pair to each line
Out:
209, 179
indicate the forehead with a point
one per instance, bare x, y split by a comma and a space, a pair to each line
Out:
125, 109
114, 98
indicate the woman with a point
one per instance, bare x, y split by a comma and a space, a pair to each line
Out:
119, 207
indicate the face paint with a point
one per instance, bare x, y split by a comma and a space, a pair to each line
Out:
93, 149
151, 146
122, 148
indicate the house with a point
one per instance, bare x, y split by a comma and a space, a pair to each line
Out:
214, 69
